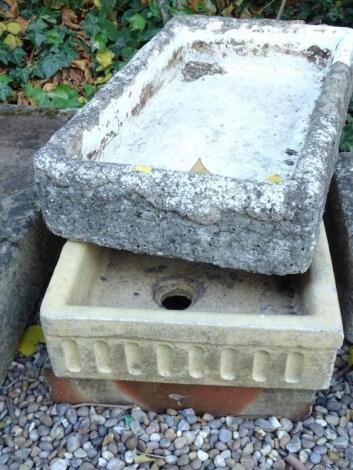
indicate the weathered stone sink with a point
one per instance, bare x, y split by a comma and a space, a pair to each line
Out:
256, 106
111, 314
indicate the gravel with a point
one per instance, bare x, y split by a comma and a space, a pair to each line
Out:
37, 434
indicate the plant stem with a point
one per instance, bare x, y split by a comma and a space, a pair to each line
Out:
281, 8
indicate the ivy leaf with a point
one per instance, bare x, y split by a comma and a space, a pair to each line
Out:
2, 29
5, 90
36, 32
19, 75
4, 54
104, 58
53, 61
17, 55
55, 36
36, 95
89, 90
12, 41
64, 97
137, 22
13, 27
90, 25
127, 53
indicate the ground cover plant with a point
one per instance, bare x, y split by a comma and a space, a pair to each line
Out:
57, 53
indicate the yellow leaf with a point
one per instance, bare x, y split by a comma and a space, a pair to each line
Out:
143, 168
2, 28
350, 357
104, 79
97, 3
13, 27
12, 41
104, 58
274, 179
199, 167
30, 339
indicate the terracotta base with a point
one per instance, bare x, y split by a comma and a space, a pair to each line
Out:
218, 400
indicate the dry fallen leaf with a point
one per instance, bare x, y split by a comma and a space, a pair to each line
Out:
82, 64
23, 23
199, 167
143, 168
143, 458
21, 99
69, 18
13, 11
49, 86
31, 337
274, 179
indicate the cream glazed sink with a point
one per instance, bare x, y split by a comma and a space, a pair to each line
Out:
117, 315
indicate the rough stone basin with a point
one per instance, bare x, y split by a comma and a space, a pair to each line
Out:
256, 106
111, 314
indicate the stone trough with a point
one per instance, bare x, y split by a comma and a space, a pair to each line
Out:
339, 225
114, 315
216, 143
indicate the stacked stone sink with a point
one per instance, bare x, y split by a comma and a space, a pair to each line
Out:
192, 189
257, 106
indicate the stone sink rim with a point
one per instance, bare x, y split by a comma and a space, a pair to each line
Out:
294, 206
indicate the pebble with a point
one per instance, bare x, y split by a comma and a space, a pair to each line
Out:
71, 415
225, 435
294, 445
179, 442
317, 429
286, 424
115, 464
73, 442
315, 457
63, 437
203, 456
59, 464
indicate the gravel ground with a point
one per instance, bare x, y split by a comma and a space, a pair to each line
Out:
37, 434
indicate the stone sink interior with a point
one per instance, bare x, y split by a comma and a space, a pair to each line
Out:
242, 108
119, 279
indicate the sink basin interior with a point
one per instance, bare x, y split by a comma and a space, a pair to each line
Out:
244, 112
119, 279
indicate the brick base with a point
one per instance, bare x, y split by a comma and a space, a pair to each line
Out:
218, 400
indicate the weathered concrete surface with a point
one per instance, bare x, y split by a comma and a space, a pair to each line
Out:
28, 252
109, 314
93, 185
339, 224
22, 133
218, 400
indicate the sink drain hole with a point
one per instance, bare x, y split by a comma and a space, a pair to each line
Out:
175, 294
176, 302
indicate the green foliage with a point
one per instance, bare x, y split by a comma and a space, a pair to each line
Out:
62, 96
5, 90
58, 52
347, 134
70, 43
